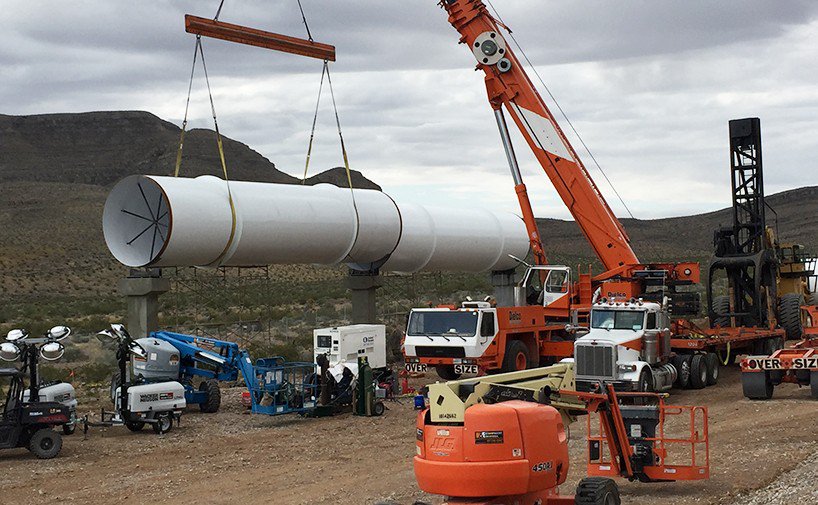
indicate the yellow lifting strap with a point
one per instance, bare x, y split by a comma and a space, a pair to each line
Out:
325, 71
198, 50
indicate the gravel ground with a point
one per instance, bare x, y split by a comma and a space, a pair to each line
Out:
799, 485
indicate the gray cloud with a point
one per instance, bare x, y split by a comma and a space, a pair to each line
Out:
650, 85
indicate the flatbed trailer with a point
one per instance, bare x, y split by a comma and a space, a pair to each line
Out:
690, 338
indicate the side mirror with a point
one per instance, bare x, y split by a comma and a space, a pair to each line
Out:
59, 332
16, 335
52, 351
9, 351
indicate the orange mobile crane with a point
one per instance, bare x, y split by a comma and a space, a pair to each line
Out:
548, 302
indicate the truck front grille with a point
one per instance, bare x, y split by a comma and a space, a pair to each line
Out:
424, 351
595, 361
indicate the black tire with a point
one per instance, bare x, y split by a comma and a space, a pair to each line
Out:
45, 443
789, 314
516, 353
378, 409
813, 384
213, 396
713, 366
135, 426
597, 491
756, 385
645, 381
771, 345
446, 372
721, 305
681, 362
163, 424
698, 371
69, 429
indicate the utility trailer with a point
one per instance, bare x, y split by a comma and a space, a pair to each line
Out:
760, 374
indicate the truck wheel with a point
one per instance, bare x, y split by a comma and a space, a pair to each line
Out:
721, 305
771, 345
597, 491
681, 362
813, 384
446, 372
756, 385
163, 424
135, 425
698, 371
645, 381
713, 365
516, 357
789, 314
213, 396
45, 443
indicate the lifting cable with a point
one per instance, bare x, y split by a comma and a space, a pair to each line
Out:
198, 49
325, 71
564, 115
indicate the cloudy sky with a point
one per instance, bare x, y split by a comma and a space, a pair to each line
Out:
650, 85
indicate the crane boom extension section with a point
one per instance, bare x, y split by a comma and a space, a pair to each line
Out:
502, 439
509, 87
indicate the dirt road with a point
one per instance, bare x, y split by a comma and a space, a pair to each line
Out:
232, 457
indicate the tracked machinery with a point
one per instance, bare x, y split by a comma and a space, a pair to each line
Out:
503, 439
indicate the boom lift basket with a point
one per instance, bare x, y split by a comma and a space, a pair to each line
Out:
668, 442
280, 387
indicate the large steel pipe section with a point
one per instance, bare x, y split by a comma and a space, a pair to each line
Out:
168, 221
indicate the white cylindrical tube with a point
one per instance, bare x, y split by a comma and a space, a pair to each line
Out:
167, 221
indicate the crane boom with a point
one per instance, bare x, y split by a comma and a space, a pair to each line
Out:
509, 87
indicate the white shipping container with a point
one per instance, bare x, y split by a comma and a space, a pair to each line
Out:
343, 344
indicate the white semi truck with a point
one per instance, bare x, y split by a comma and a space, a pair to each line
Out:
628, 344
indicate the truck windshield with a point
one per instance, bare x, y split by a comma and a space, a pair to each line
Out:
617, 319
443, 323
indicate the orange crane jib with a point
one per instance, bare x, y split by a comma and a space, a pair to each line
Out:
259, 38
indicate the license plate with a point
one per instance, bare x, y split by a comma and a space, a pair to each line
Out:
416, 367
465, 369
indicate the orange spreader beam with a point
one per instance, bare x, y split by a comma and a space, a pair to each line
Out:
259, 38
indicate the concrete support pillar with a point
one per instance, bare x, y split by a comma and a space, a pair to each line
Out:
142, 290
503, 283
363, 287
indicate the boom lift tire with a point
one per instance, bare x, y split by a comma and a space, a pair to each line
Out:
446, 372
721, 305
597, 491
69, 429
789, 314
698, 371
757, 385
45, 443
213, 396
163, 424
516, 357
713, 365
681, 362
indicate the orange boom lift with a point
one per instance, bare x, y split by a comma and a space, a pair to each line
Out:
503, 440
